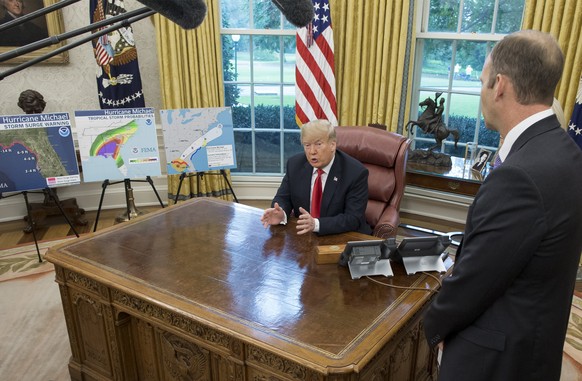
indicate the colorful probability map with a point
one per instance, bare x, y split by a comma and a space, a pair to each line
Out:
198, 140
36, 152
118, 144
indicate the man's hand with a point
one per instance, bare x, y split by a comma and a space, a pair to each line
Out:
305, 223
273, 216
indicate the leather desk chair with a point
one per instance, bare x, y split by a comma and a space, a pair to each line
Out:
384, 154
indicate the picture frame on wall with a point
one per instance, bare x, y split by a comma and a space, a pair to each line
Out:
31, 31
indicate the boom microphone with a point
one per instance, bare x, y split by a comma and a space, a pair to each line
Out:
298, 12
189, 14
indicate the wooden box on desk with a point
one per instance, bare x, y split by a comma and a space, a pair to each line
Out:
327, 254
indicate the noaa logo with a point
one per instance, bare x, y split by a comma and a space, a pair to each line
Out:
64, 131
148, 121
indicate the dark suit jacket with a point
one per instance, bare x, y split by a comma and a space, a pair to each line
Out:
22, 34
504, 311
345, 196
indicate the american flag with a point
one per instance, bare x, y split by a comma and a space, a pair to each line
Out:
575, 125
314, 70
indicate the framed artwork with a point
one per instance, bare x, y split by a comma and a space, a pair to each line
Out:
31, 31
481, 160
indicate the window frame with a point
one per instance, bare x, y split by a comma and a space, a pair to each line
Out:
282, 31
421, 35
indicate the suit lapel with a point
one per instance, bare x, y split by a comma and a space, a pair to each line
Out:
305, 184
331, 184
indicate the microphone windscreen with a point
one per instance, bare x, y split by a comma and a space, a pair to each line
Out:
298, 12
189, 14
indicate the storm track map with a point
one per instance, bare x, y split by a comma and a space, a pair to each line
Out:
37, 151
198, 140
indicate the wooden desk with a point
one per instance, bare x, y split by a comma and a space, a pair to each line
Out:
201, 291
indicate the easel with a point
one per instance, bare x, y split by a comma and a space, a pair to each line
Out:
200, 175
128, 197
52, 195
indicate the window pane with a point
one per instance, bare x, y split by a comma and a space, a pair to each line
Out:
266, 15
244, 151
288, 59
289, 96
292, 145
266, 59
470, 57
463, 112
244, 94
268, 157
241, 117
509, 16
231, 94
289, 121
241, 61
487, 138
235, 14
477, 16
443, 16
436, 64
267, 116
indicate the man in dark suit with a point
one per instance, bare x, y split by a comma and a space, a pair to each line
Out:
344, 184
503, 313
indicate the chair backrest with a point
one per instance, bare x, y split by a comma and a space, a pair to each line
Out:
384, 153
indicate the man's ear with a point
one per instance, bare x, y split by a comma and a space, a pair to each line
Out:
501, 83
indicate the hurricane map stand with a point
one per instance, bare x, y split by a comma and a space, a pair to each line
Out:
131, 210
47, 192
200, 175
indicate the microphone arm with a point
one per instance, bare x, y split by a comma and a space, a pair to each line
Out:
37, 13
63, 36
122, 20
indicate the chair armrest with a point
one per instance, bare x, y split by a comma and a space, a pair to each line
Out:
388, 222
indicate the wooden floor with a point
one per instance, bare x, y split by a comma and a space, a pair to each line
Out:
56, 227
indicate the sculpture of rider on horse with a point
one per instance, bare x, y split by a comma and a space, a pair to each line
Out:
431, 121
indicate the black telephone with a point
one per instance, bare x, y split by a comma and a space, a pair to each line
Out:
367, 251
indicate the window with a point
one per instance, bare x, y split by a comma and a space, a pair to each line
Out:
452, 40
258, 52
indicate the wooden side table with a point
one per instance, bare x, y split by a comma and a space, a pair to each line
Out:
39, 211
457, 179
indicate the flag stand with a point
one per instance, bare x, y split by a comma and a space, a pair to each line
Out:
131, 210
200, 175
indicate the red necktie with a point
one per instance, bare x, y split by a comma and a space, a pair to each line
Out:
316, 196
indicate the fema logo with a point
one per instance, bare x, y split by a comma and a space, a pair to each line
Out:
148, 122
135, 150
64, 131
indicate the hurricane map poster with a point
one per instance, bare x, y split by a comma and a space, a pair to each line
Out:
198, 139
37, 151
118, 144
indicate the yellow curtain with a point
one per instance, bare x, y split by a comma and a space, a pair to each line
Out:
561, 18
370, 45
191, 76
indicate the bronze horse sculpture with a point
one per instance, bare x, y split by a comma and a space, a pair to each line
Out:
431, 122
